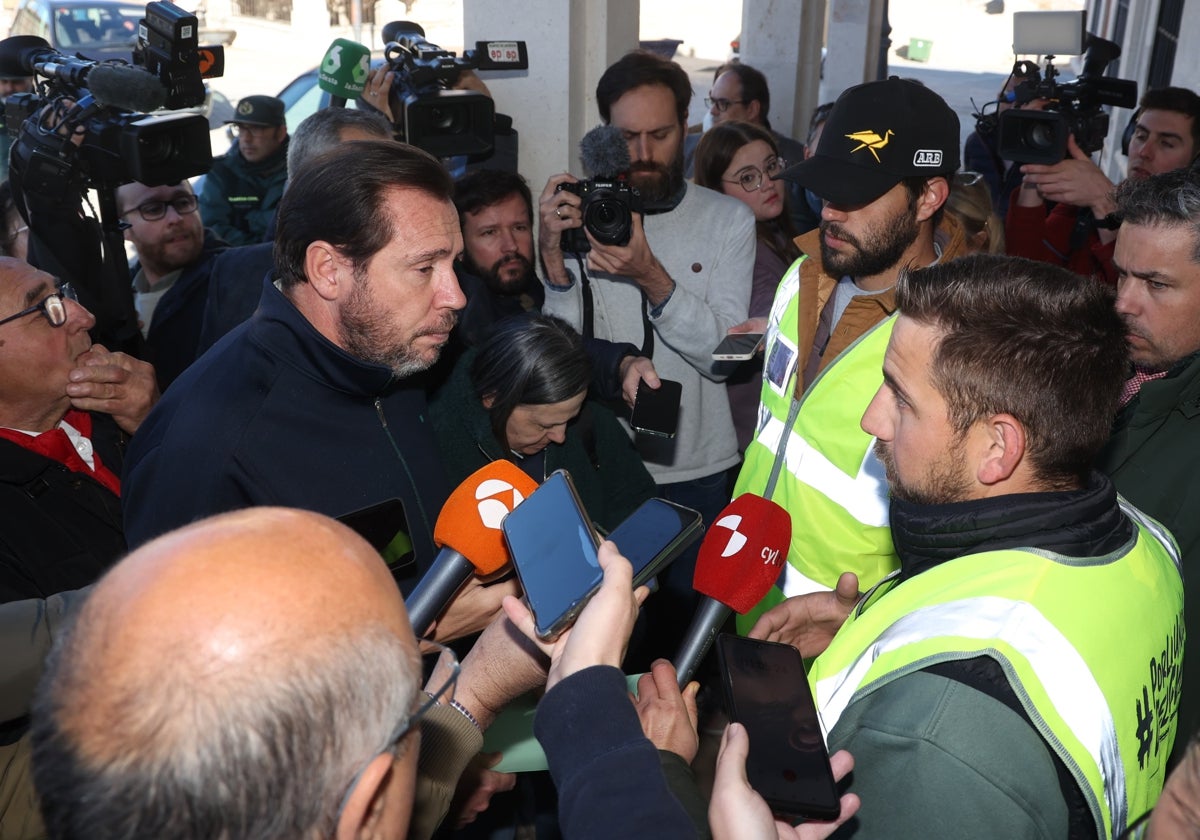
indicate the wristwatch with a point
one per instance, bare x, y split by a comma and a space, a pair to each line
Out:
1110, 222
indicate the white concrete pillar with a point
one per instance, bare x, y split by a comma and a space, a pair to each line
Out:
783, 38
571, 43
853, 45
310, 20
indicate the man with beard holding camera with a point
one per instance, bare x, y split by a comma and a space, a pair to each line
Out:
1080, 232
674, 289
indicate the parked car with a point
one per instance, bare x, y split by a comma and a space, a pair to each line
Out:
96, 29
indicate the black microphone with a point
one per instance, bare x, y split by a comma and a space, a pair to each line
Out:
468, 532
129, 88
604, 152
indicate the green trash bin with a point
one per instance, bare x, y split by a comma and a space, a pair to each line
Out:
918, 49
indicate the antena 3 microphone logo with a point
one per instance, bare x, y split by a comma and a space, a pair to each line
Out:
496, 498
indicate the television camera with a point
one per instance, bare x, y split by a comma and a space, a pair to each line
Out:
428, 112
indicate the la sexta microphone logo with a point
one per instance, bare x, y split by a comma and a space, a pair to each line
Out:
737, 540
496, 498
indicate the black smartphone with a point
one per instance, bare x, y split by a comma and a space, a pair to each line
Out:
766, 690
553, 547
654, 535
738, 347
656, 410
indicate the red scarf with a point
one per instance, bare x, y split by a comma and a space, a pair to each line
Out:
56, 445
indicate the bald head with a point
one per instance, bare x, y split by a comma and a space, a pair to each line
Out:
256, 660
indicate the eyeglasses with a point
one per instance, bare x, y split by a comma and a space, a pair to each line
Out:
722, 105
53, 306
238, 129
447, 661
967, 178
152, 211
752, 177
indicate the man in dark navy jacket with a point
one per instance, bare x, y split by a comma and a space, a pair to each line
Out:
315, 401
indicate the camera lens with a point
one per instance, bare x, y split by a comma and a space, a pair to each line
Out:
1041, 136
608, 219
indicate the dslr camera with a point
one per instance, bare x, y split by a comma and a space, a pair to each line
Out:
608, 207
1028, 136
427, 112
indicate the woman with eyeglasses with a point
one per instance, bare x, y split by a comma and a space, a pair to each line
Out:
741, 160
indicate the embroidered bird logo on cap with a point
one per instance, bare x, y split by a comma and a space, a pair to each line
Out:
870, 141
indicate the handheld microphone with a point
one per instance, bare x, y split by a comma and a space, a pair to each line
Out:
604, 152
344, 70
468, 532
739, 560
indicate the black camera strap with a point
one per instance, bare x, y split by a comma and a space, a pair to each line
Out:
589, 312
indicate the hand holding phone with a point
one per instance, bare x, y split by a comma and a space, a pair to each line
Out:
601, 633
737, 347
766, 690
553, 547
656, 410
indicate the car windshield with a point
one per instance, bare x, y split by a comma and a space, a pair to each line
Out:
103, 24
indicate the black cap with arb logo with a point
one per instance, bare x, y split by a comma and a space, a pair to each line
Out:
878, 134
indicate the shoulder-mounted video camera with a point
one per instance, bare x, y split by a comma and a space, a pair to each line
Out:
1031, 136
87, 125
428, 113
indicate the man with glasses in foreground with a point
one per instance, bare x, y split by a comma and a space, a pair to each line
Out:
244, 186
67, 407
175, 256
253, 675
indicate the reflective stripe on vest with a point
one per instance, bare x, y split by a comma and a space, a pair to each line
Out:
1066, 677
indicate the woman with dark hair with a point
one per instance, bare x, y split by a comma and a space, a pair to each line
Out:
741, 159
522, 395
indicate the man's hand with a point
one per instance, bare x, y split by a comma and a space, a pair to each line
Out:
633, 370
809, 622
115, 384
475, 607
558, 210
634, 260
378, 90
750, 325
737, 812
501, 666
1076, 181
668, 716
476, 787
601, 633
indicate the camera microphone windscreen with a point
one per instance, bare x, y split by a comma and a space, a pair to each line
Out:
604, 152
739, 561
344, 69
122, 86
396, 29
468, 533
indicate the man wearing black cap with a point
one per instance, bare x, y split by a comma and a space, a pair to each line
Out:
881, 167
245, 184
